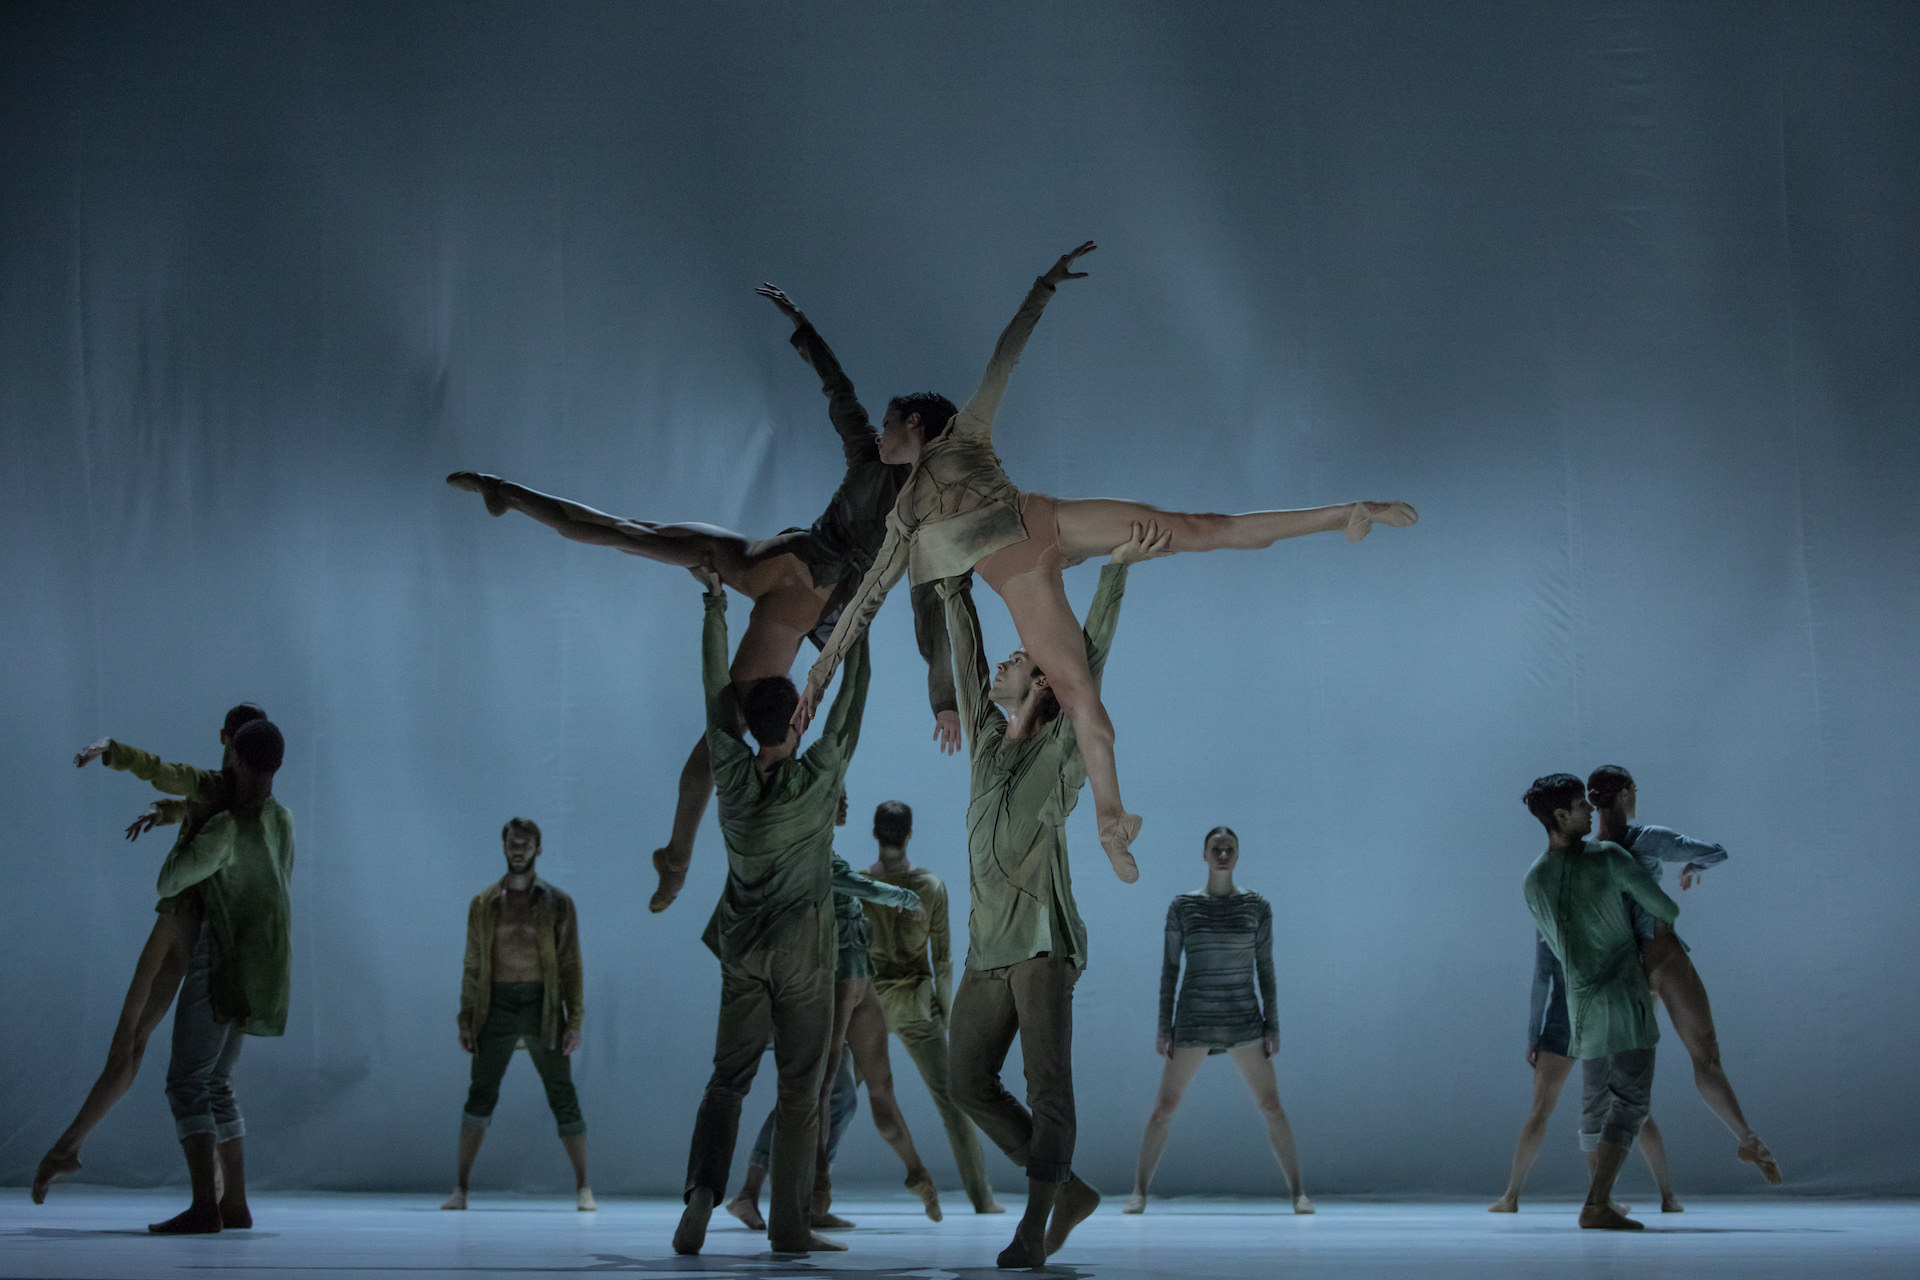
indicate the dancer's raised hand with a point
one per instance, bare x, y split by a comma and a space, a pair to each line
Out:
707, 575
1063, 269
1148, 542
803, 713
89, 754
946, 731
1689, 876
147, 821
778, 297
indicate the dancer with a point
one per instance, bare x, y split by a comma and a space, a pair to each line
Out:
958, 511
852, 992
773, 928
1226, 935
237, 981
913, 983
1670, 972
798, 580
163, 961
1575, 892
522, 983
1026, 944
1548, 1033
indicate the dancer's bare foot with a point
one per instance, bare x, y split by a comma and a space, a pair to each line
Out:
1070, 1208
692, 1231
1028, 1250
195, 1221
488, 487
921, 1184
673, 874
1365, 515
235, 1216
1136, 1203
1505, 1204
1755, 1152
748, 1211
828, 1220
1302, 1205
812, 1244
1115, 837
458, 1200
1606, 1218
991, 1206
1669, 1205
54, 1166
583, 1201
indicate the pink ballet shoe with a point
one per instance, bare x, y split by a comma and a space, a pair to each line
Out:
1115, 838
1363, 517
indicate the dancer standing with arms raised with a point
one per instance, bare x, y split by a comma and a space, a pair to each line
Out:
958, 511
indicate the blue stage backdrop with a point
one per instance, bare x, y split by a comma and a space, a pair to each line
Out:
1624, 296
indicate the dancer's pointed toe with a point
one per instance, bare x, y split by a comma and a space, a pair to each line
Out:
1754, 1152
1116, 837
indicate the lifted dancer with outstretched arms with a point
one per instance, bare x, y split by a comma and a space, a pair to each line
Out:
176, 927
1577, 892
1226, 936
773, 928
1026, 944
798, 580
958, 512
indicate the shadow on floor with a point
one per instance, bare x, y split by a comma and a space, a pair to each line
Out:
766, 1264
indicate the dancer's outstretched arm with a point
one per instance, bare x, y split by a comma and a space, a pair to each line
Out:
856, 884
174, 779
1173, 948
1670, 846
976, 417
849, 417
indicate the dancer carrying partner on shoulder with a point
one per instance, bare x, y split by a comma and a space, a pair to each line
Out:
798, 580
773, 928
522, 983
1670, 973
1577, 891
176, 927
958, 511
1026, 943
1226, 935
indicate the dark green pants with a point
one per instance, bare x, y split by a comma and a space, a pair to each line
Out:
514, 1012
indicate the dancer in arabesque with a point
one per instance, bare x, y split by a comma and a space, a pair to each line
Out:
958, 511
798, 580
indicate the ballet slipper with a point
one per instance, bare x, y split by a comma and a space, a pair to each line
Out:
190, 1222
1505, 1204
812, 1244
748, 1212
458, 1200
1302, 1205
1075, 1203
1755, 1152
673, 875
1669, 1205
921, 1184
583, 1201
1605, 1217
692, 1231
1363, 517
53, 1167
1136, 1203
1115, 837
488, 487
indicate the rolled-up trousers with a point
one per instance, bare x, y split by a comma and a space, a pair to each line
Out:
922, 1031
788, 996
1033, 999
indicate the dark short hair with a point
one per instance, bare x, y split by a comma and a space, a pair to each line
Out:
768, 705
1605, 784
1553, 792
1219, 831
260, 744
528, 825
239, 715
935, 411
892, 822
1049, 700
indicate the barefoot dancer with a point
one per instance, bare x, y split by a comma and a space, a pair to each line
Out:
1026, 944
163, 961
798, 580
1670, 972
958, 511
1226, 935
1577, 893
1548, 1032
522, 984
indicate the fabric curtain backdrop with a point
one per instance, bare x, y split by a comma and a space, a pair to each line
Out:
1623, 295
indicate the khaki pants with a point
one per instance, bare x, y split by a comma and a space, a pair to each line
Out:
788, 996
922, 1032
1035, 1000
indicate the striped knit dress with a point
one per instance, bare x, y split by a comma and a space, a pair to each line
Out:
1227, 942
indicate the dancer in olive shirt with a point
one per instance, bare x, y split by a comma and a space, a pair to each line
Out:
773, 928
1026, 944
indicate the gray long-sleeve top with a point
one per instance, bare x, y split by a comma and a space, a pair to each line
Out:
1228, 943
1652, 847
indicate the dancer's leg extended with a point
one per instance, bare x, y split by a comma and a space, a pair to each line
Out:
1257, 1068
1677, 985
1174, 1078
846, 993
867, 1042
1095, 526
156, 979
1052, 637
1549, 1076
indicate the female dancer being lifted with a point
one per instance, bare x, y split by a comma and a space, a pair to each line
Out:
798, 580
958, 511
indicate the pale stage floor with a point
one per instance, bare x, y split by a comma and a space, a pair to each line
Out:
91, 1232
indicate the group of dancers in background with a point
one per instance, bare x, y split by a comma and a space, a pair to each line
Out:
822, 963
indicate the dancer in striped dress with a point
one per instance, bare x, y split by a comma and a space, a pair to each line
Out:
1226, 936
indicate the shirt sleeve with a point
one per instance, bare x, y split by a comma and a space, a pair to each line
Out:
841, 732
940, 944
470, 967
972, 674
202, 856
1544, 969
889, 564
976, 419
1103, 615
573, 983
1174, 943
930, 633
855, 884
1263, 967
1633, 880
174, 779
858, 439
1670, 846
